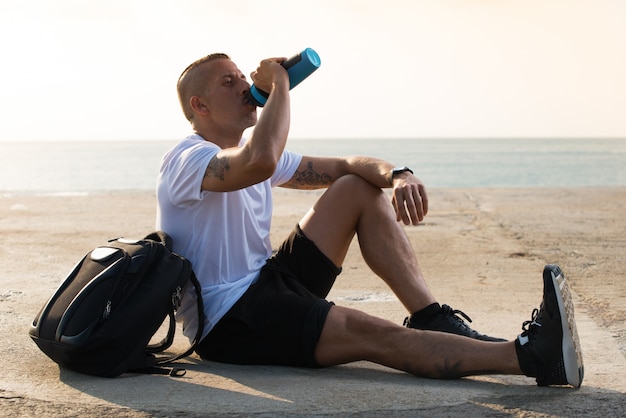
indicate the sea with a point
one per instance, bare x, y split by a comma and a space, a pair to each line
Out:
85, 167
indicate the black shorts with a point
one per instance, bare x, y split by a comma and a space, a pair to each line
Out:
280, 317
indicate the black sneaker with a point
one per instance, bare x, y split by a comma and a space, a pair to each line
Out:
549, 349
448, 320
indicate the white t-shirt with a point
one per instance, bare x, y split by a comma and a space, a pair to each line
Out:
225, 235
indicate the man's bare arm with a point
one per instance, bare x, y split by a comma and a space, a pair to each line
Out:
307, 178
217, 168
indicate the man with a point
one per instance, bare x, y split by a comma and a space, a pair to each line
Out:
215, 200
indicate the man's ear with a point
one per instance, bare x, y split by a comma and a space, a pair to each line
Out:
198, 106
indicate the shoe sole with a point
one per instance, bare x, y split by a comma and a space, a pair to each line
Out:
570, 347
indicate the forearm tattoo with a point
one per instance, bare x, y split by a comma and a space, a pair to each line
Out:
218, 166
309, 178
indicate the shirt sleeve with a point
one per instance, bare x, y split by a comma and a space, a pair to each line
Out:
185, 172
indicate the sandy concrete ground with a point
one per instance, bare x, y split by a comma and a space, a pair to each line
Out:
481, 250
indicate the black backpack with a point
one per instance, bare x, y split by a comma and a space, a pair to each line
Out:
102, 318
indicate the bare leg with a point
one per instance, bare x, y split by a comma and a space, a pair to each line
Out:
350, 335
351, 206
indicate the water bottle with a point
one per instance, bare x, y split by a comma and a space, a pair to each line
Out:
299, 67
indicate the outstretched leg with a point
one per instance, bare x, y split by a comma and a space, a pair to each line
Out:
547, 349
350, 335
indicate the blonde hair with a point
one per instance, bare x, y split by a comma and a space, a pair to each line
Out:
191, 82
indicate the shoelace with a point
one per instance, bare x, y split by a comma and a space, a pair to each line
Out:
528, 326
447, 310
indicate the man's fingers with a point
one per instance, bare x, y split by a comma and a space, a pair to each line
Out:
417, 203
398, 206
422, 192
408, 204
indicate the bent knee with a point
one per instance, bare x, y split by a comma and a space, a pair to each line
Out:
355, 186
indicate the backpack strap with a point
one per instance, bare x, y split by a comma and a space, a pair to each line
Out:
166, 240
158, 368
173, 372
199, 331
161, 237
168, 340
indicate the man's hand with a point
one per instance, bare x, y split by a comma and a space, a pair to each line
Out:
268, 72
409, 199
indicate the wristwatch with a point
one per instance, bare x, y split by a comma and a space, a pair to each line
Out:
399, 170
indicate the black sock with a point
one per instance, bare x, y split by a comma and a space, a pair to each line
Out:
427, 312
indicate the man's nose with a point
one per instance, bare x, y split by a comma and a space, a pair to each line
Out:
245, 86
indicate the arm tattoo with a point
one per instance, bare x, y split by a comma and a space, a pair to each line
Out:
310, 179
217, 167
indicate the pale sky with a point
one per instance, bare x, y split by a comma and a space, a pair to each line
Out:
93, 70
